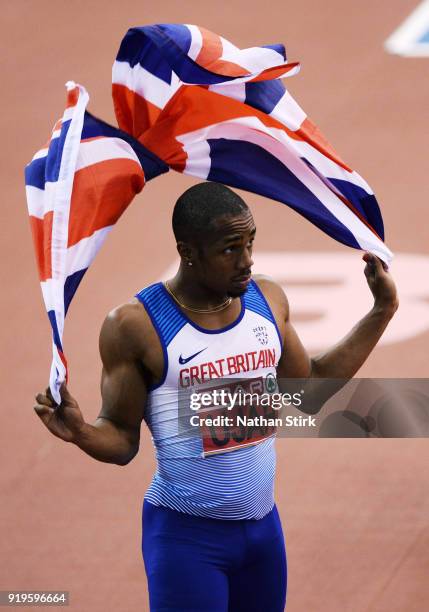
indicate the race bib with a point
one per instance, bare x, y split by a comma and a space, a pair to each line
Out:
234, 415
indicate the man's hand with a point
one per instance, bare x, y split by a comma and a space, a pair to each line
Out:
115, 434
64, 421
380, 282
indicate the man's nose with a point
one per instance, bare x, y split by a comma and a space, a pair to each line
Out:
246, 261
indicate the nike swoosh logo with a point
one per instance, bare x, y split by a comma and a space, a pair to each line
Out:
184, 360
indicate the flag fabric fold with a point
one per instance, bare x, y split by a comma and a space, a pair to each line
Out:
187, 99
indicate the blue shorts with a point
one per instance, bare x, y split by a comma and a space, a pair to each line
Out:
196, 564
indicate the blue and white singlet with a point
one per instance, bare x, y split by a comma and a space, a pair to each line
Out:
216, 478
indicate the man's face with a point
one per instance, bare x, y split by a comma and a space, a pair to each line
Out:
223, 260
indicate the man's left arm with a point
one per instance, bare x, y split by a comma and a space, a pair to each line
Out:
345, 358
324, 375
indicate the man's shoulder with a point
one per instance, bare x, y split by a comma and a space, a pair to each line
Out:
127, 325
270, 288
127, 315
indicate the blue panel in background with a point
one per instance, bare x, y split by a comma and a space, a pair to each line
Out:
424, 38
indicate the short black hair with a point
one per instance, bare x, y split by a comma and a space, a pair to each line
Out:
199, 206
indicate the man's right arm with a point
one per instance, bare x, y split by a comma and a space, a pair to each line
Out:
115, 435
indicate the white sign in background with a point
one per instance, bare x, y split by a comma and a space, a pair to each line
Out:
328, 293
411, 38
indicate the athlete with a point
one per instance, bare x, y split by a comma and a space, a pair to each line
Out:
212, 538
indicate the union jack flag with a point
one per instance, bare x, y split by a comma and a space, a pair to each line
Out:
188, 99
77, 187
221, 113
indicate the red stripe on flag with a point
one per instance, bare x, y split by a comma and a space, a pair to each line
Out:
64, 360
72, 97
42, 237
134, 113
275, 72
101, 193
210, 54
211, 48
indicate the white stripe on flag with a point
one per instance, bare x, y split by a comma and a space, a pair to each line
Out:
327, 166
47, 289
288, 112
55, 380
68, 114
196, 41
233, 90
198, 161
144, 83
254, 59
39, 154
81, 254
104, 149
39, 201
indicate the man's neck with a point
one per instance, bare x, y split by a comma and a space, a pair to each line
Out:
187, 289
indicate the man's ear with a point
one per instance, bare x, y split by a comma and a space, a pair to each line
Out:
186, 251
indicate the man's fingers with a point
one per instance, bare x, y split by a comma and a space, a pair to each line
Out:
368, 270
64, 392
370, 259
44, 413
50, 396
43, 399
374, 264
378, 265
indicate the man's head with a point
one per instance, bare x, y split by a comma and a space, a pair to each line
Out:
214, 230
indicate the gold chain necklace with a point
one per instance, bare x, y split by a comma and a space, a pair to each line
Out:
222, 306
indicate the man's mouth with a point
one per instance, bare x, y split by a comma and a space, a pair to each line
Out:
244, 279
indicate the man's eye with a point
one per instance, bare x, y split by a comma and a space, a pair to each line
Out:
228, 250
